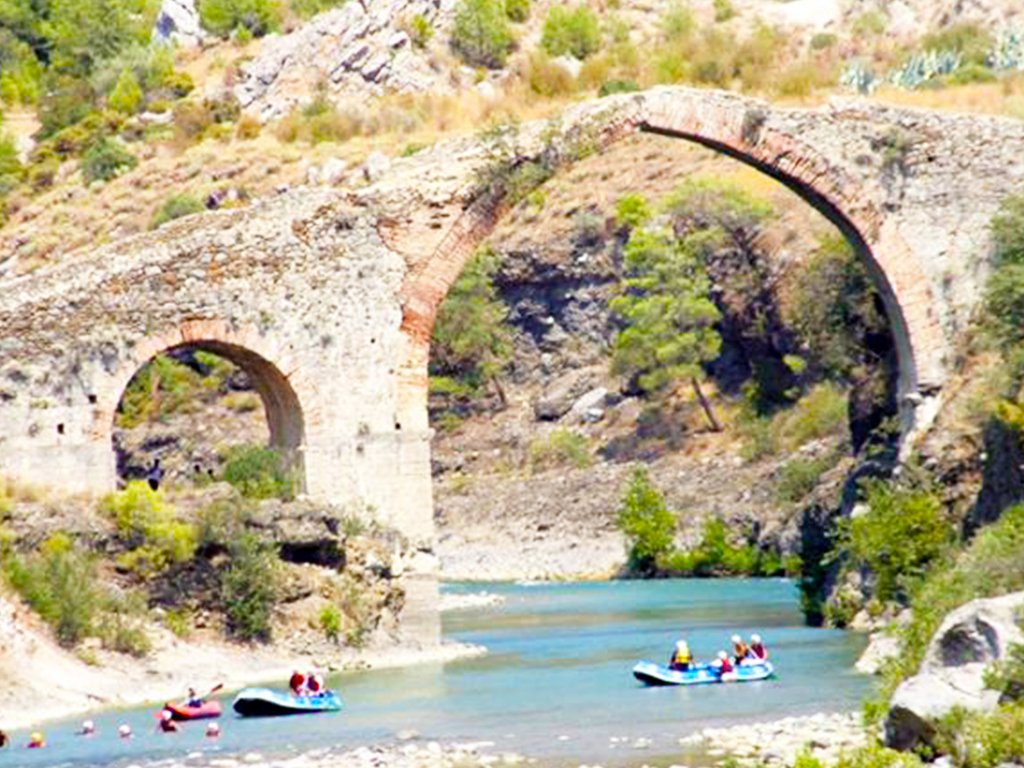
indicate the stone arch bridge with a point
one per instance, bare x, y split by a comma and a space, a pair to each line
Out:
327, 297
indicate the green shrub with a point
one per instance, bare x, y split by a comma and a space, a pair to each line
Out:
870, 24
120, 626
259, 472
1004, 299
330, 622
481, 35
821, 41
147, 523
649, 527
249, 588
175, 207
161, 388
420, 31
992, 564
59, 583
902, 534
223, 521
610, 87
562, 447
982, 740
1007, 675
517, 10
548, 78
717, 555
798, 477
106, 160
632, 211
571, 31
724, 10
126, 97
309, 8
821, 413
223, 17
972, 41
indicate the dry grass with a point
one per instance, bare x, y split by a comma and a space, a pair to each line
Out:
1005, 97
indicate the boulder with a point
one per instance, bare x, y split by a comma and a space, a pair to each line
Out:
178, 24
881, 648
952, 674
590, 406
560, 395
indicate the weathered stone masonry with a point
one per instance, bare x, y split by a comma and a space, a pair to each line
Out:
328, 297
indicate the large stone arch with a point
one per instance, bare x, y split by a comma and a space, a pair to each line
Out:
250, 351
742, 129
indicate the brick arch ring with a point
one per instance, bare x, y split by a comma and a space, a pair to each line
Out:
735, 127
289, 398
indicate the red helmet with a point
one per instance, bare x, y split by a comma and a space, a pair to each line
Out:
296, 680
315, 683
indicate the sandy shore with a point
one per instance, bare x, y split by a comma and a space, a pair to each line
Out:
76, 687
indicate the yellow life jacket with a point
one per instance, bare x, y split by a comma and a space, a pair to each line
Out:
683, 656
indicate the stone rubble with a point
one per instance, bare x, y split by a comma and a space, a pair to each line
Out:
178, 24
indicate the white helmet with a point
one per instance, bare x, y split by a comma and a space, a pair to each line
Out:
88, 726
681, 645
723, 655
755, 638
737, 639
166, 714
124, 730
213, 730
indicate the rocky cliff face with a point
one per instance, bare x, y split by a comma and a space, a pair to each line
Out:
358, 50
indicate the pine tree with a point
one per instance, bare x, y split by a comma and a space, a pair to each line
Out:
668, 312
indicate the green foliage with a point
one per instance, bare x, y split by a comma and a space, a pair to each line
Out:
259, 472
148, 524
547, 77
309, 8
1004, 300
127, 96
420, 30
161, 388
821, 41
255, 17
992, 564
59, 583
517, 10
481, 35
249, 587
876, 756
10, 165
834, 306
902, 534
666, 309
982, 740
870, 24
717, 555
222, 522
1007, 674
330, 622
709, 204
106, 160
610, 87
648, 525
798, 477
561, 447
632, 211
724, 10
175, 207
677, 23
472, 342
573, 31
972, 41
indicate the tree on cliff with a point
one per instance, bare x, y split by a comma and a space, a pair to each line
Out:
471, 341
668, 313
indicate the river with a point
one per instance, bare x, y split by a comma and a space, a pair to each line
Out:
555, 685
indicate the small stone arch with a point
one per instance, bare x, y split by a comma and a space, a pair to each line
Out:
743, 129
281, 388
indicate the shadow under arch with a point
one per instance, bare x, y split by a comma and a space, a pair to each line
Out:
284, 413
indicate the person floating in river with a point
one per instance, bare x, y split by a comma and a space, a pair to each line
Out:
167, 724
155, 474
682, 658
4, 740
36, 741
758, 652
740, 650
88, 728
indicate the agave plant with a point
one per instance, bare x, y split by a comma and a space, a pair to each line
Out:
922, 67
859, 78
1008, 52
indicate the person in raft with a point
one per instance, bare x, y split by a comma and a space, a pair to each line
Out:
4, 739
682, 658
724, 665
299, 684
36, 741
315, 684
193, 699
758, 653
740, 650
167, 724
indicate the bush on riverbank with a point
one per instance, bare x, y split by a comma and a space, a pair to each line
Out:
149, 526
718, 555
259, 472
249, 587
649, 527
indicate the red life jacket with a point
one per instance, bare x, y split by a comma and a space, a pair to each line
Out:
296, 681
315, 683
758, 651
726, 666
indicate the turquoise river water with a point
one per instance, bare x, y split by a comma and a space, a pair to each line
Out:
555, 685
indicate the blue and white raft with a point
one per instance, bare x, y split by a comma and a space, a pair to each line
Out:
264, 702
649, 673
